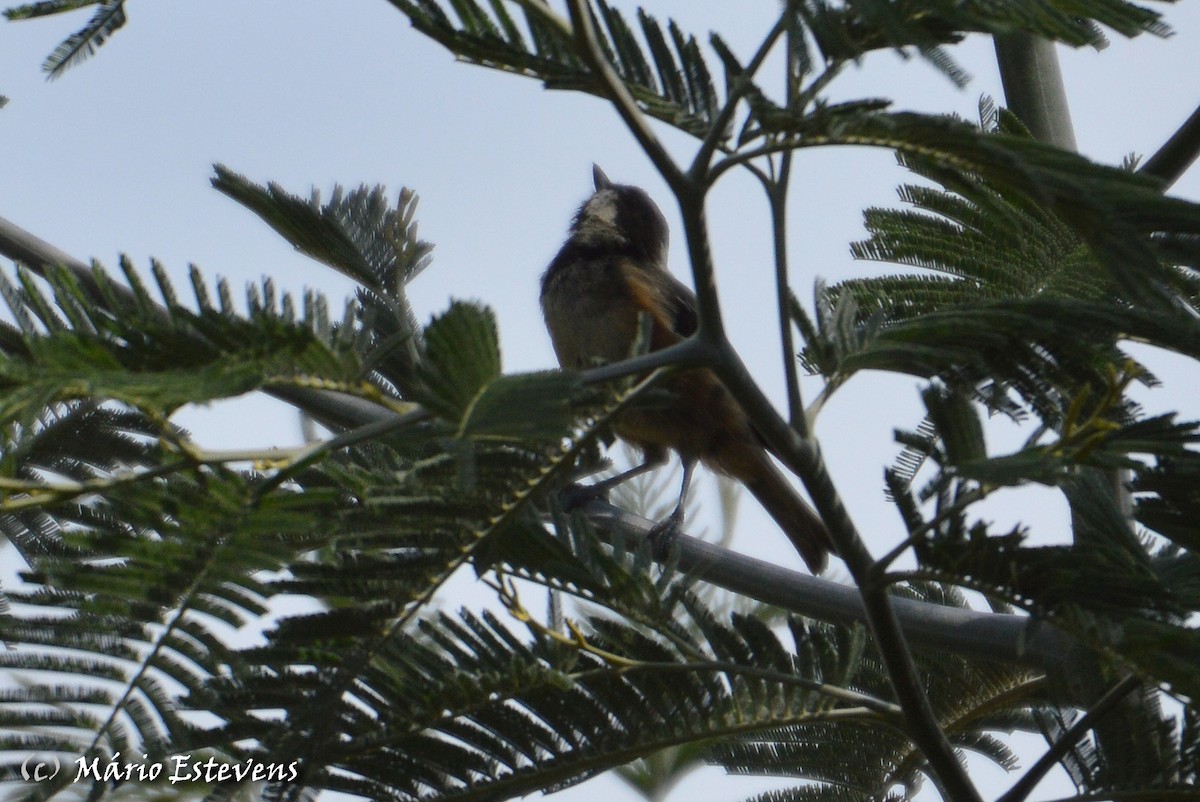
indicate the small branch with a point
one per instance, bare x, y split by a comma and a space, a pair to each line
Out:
34, 494
711, 328
589, 48
1024, 786
691, 352
577, 639
884, 709
1175, 157
543, 10
777, 196
745, 157
313, 453
777, 192
738, 91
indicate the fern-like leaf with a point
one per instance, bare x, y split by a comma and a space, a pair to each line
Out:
359, 234
669, 79
81, 45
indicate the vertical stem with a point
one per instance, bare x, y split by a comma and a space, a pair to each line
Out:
1033, 87
777, 192
1034, 91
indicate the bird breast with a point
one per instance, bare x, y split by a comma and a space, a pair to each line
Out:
588, 312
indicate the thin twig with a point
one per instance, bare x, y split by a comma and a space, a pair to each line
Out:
1024, 786
312, 454
589, 48
543, 10
737, 91
880, 707
40, 494
777, 192
624, 665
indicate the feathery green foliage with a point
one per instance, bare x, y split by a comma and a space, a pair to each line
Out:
668, 75
146, 555
108, 18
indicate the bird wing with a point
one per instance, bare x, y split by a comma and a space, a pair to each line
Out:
670, 304
682, 304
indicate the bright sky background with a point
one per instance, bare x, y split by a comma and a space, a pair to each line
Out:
115, 158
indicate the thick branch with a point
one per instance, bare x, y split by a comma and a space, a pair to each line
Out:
1033, 87
929, 627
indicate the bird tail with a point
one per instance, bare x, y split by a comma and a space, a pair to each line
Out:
795, 517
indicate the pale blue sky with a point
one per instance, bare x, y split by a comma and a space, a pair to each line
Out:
115, 157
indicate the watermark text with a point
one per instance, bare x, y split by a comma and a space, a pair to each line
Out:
173, 769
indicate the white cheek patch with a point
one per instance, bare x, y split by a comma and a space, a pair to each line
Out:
602, 207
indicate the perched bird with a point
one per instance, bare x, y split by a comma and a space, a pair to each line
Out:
611, 270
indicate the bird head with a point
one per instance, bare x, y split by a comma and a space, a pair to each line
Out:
622, 217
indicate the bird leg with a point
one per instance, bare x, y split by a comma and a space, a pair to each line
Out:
663, 534
577, 495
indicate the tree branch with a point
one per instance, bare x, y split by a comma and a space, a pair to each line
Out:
691, 352
737, 91
1175, 157
777, 191
803, 457
929, 627
1033, 87
800, 454
589, 48
1024, 786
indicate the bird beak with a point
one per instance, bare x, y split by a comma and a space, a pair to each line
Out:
600, 178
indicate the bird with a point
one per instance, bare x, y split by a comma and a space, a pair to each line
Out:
611, 275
